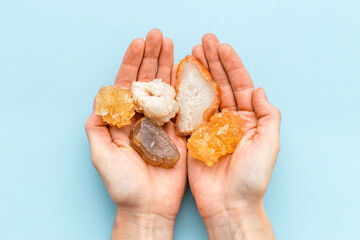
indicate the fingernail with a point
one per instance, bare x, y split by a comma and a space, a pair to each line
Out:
263, 93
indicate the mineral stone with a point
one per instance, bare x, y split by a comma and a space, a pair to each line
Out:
217, 138
115, 105
153, 144
155, 99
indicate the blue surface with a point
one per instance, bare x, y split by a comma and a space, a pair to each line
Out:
54, 55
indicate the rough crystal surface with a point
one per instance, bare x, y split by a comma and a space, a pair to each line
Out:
153, 144
217, 138
115, 105
156, 100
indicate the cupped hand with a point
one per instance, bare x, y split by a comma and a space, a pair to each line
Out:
229, 195
148, 197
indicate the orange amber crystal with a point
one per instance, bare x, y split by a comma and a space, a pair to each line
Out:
217, 138
115, 105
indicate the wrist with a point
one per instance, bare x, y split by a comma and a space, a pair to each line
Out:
237, 221
130, 224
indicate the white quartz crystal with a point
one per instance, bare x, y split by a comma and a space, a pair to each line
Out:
156, 100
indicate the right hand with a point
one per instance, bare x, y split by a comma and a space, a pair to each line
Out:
229, 195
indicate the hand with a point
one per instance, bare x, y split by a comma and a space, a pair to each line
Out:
229, 196
148, 198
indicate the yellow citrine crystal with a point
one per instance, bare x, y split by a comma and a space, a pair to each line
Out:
115, 105
217, 138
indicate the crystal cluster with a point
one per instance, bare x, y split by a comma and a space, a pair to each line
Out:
153, 144
156, 100
217, 138
115, 105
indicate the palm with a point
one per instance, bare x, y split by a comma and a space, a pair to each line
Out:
227, 171
137, 182
244, 174
129, 180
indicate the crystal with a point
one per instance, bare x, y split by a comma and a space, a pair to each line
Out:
217, 138
156, 100
153, 144
115, 105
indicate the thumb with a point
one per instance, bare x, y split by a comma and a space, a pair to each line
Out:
268, 129
98, 135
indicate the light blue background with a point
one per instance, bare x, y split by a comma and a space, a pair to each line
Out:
54, 56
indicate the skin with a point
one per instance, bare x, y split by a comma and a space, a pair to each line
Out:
229, 196
148, 198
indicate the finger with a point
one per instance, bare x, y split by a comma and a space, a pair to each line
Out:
198, 52
240, 79
130, 64
97, 131
149, 63
173, 75
173, 81
98, 136
120, 136
269, 117
166, 60
211, 44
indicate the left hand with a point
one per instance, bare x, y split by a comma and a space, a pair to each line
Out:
148, 197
